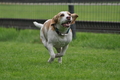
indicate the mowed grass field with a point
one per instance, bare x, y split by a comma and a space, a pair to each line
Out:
91, 56
85, 12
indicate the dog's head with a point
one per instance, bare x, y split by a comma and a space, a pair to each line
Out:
64, 18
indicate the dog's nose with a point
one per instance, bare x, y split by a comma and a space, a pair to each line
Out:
68, 17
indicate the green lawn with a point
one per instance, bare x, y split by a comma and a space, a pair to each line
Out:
92, 56
85, 12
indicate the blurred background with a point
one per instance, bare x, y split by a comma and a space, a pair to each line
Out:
88, 10
93, 14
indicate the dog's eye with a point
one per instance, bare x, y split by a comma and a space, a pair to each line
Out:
69, 14
62, 15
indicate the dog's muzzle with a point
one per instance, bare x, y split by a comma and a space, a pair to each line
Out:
66, 24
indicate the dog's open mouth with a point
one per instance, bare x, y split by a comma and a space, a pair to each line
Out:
66, 24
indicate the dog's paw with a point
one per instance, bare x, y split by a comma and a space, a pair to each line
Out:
60, 60
50, 60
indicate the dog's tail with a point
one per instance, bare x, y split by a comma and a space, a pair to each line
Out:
39, 25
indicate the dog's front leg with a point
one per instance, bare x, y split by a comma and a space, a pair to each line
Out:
62, 52
58, 55
51, 52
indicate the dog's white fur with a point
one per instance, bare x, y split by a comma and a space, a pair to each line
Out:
50, 38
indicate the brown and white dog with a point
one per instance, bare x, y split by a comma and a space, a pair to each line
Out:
56, 33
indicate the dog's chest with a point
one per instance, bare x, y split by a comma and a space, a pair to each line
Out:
60, 41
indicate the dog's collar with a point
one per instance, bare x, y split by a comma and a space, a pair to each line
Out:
59, 33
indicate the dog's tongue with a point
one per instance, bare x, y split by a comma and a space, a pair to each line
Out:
66, 25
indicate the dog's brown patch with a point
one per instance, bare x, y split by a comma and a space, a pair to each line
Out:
74, 16
47, 26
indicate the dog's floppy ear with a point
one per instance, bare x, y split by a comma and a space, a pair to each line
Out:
74, 16
54, 20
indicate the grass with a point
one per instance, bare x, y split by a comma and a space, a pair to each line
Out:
85, 12
92, 56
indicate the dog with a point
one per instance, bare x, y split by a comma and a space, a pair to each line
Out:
56, 32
